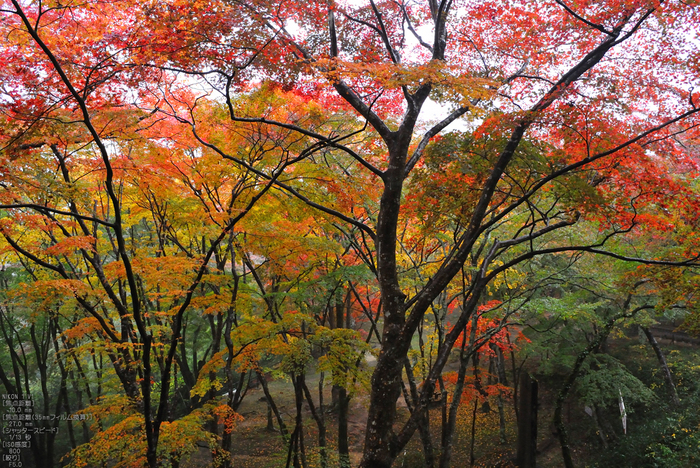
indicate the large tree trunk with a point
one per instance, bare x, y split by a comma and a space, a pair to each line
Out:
386, 388
386, 379
527, 423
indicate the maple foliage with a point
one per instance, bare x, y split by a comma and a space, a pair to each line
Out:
264, 171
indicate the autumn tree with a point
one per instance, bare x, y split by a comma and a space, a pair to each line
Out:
572, 80
129, 220
572, 113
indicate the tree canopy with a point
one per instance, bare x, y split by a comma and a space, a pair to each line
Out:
199, 195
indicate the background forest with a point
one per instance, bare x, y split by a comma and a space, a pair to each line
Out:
332, 234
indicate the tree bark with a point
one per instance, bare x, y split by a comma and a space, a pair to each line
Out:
343, 446
527, 423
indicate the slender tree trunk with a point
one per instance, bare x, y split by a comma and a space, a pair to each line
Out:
270, 425
443, 413
343, 446
272, 405
300, 452
515, 372
317, 414
601, 432
607, 430
501, 371
413, 403
501, 419
473, 432
448, 429
675, 401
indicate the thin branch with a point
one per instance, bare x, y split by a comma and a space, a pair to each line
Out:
415, 157
584, 20
420, 40
395, 58
282, 185
45, 209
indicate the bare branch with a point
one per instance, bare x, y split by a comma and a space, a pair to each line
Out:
584, 20
46, 209
407, 20
418, 153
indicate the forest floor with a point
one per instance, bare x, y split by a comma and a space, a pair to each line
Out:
257, 447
